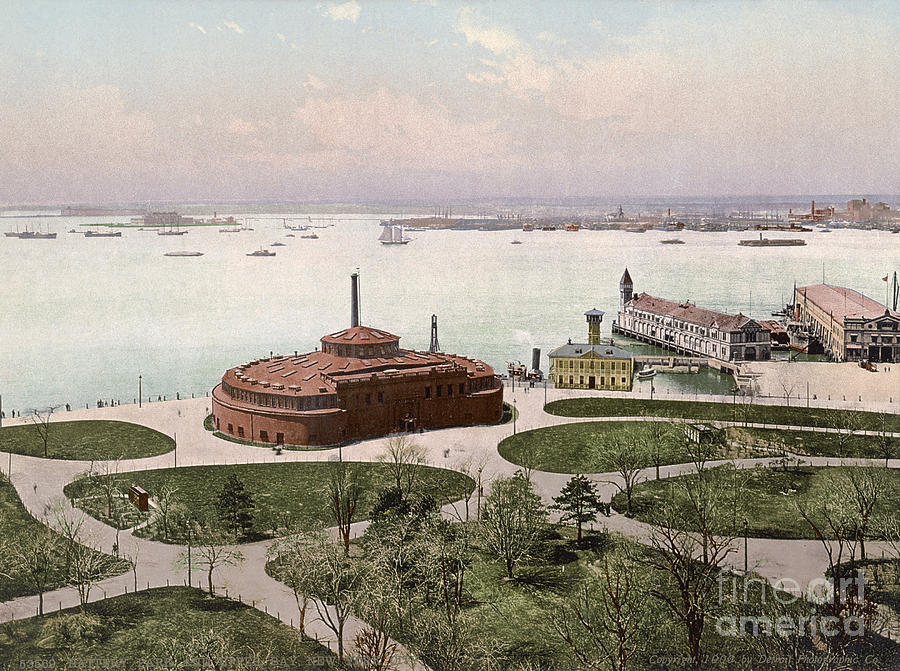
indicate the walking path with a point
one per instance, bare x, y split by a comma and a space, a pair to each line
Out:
473, 450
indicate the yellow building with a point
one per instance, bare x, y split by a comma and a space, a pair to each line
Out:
591, 365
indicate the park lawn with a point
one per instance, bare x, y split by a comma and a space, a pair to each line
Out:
88, 440
284, 494
815, 443
130, 631
597, 406
770, 498
577, 447
17, 523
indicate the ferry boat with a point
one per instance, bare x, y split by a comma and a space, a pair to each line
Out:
572, 228
527, 227
773, 242
103, 234
310, 236
673, 241
36, 235
646, 373
516, 242
261, 252
183, 254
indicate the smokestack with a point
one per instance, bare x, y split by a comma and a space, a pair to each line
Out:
536, 358
813, 209
354, 300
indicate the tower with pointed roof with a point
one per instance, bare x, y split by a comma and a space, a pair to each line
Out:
626, 289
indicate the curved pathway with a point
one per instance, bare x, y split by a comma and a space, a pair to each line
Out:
40, 482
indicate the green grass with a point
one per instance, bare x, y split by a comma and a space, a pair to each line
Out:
127, 632
89, 440
815, 443
17, 523
704, 410
286, 492
577, 447
769, 498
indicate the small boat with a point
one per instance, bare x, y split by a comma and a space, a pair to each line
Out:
527, 227
290, 235
72, 230
171, 231
672, 241
393, 235
516, 242
572, 228
232, 229
261, 252
183, 254
36, 235
311, 236
646, 373
103, 234
548, 228
278, 244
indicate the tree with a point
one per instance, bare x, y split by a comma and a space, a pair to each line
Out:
691, 538
512, 519
861, 488
844, 423
236, 506
211, 553
662, 437
606, 622
335, 582
886, 443
343, 498
88, 566
33, 558
292, 556
67, 524
578, 502
405, 458
41, 421
166, 509
106, 481
626, 454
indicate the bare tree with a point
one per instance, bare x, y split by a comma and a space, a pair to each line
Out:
512, 519
166, 508
41, 421
690, 540
292, 555
662, 438
132, 557
343, 498
211, 552
605, 623
68, 524
405, 457
886, 443
473, 468
33, 559
844, 423
861, 488
106, 481
88, 566
626, 454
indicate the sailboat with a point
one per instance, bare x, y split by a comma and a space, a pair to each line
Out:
393, 235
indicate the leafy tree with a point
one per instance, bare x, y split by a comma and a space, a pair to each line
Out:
236, 506
578, 502
290, 556
512, 520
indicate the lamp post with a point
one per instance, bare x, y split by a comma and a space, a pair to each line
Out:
514, 416
140, 390
545, 392
746, 532
734, 404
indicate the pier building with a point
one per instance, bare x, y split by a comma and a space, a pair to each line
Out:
687, 329
360, 384
848, 325
591, 365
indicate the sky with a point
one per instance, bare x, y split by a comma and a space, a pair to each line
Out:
435, 100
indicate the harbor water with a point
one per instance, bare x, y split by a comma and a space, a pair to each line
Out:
84, 317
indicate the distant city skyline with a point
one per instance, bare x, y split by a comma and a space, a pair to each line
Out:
377, 100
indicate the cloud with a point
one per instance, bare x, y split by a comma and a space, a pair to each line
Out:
198, 27
477, 30
314, 83
348, 11
231, 25
547, 36
280, 37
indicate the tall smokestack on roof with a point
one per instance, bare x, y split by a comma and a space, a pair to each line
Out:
354, 300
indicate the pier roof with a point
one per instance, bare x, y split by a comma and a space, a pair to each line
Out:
843, 303
690, 313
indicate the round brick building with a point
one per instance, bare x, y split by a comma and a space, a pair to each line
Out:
360, 384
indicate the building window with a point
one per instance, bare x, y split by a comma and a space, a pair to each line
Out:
380, 397
427, 392
230, 429
241, 431
264, 436
449, 390
581, 379
439, 390
462, 389
368, 399
623, 380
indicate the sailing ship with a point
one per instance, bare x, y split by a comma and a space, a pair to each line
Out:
393, 235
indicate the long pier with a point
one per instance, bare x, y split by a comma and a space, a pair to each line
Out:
687, 358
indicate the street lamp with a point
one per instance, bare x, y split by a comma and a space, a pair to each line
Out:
746, 532
140, 391
514, 416
545, 392
734, 404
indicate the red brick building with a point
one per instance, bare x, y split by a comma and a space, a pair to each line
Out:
360, 384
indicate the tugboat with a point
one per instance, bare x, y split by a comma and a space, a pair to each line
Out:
646, 373
673, 241
261, 252
310, 236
